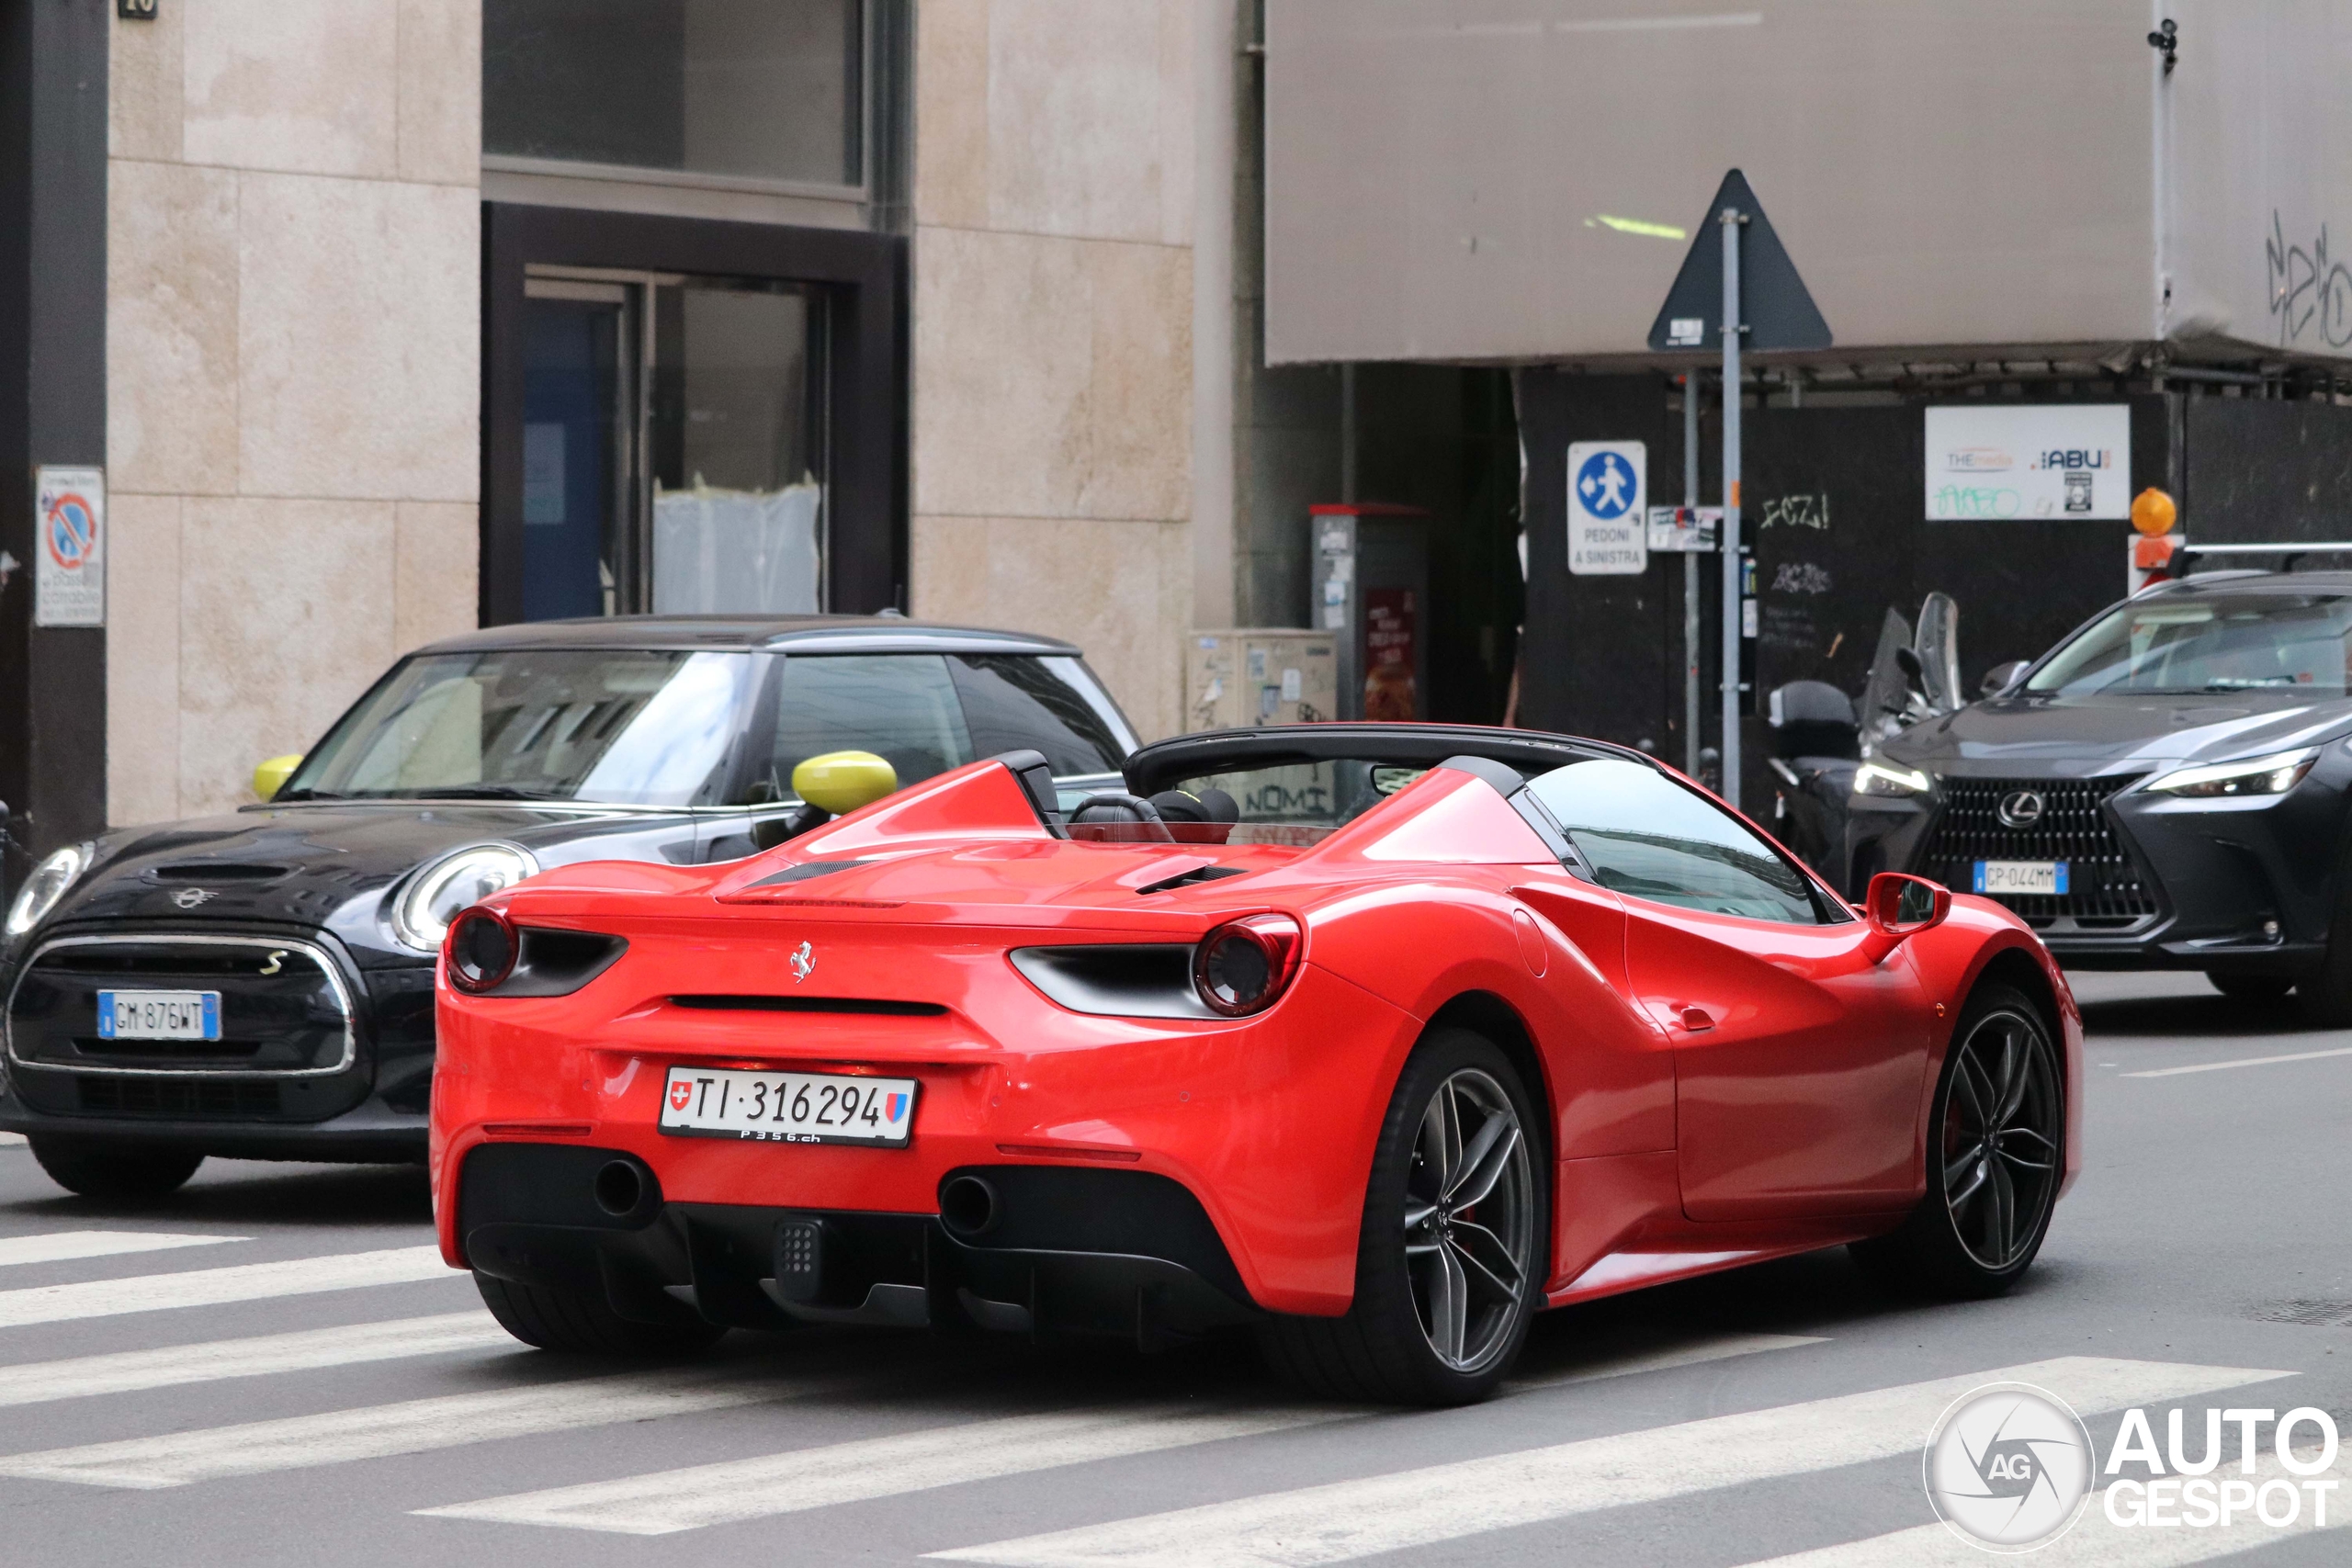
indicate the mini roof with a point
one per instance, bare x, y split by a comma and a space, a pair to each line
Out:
780, 633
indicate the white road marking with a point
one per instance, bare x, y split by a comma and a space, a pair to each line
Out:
415, 1426
11, 1140
670, 1501
215, 1287
170, 1366
1349, 1519
675, 1500
1719, 1348
2094, 1543
2241, 1062
60, 1247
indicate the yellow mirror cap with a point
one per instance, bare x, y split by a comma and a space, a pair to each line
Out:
841, 781
270, 776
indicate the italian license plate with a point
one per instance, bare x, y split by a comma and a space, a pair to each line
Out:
1999, 876
787, 1108
159, 1015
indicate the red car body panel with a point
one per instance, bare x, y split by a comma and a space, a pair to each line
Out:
1793, 1117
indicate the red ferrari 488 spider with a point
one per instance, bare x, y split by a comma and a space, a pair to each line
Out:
1376, 1039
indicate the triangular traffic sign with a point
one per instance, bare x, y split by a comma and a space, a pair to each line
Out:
1778, 312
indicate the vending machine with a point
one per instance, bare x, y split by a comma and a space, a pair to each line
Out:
1369, 587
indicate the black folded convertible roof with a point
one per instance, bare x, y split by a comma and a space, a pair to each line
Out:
1528, 751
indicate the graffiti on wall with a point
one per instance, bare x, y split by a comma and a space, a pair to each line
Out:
2311, 294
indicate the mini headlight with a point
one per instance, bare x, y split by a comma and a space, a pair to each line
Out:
422, 913
1885, 778
2274, 774
1241, 967
45, 886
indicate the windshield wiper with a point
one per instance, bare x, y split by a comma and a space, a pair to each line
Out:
305, 792
482, 792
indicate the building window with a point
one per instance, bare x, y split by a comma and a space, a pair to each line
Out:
768, 92
673, 445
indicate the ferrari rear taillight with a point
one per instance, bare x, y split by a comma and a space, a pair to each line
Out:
1240, 968
481, 948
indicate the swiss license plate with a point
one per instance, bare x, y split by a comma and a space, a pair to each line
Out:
1999, 876
787, 1108
159, 1015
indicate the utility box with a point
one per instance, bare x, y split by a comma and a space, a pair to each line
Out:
1369, 587
1262, 675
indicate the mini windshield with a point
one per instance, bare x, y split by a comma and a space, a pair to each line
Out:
2225, 642
639, 726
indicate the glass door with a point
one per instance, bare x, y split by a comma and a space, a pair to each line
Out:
675, 437
581, 435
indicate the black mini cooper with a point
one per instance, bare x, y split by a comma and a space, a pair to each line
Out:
260, 984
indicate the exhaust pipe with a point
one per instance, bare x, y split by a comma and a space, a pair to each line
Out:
969, 1207
619, 1187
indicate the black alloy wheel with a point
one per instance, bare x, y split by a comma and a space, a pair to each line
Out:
1449, 1260
1995, 1156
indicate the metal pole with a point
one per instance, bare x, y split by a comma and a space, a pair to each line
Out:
1731, 219
1690, 652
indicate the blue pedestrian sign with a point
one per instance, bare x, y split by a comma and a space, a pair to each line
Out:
1608, 514
1606, 485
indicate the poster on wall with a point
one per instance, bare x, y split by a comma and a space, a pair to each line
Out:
1608, 515
70, 547
2029, 460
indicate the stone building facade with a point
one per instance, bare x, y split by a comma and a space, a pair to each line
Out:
305, 243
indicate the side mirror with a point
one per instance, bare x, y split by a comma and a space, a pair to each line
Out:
1898, 908
269, 777
841, 781
2001, 676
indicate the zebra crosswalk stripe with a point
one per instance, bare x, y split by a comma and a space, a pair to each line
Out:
875, 1467
670, 1501
65, 1247
170, 1366
2095, 1543
216, 1287
413, 1426
1348, 1519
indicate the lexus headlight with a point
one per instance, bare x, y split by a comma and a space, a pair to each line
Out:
2274, 774
1884, 778
45, 886
422, 913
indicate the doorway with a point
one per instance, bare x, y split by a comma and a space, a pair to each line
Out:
675, 444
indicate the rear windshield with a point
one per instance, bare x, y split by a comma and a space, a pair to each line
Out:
2222, 642
1295, 803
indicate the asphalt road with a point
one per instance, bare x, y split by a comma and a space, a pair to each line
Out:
283, 1375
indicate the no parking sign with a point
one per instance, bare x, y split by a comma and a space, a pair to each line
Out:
69, 548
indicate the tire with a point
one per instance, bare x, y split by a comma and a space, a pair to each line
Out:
563, 1320
125, 1172
2251, 988
1986, 1212
1420, 1252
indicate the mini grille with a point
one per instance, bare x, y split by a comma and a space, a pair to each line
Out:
176, 1096
2105, 888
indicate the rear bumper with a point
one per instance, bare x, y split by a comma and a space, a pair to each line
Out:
1122, 1253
